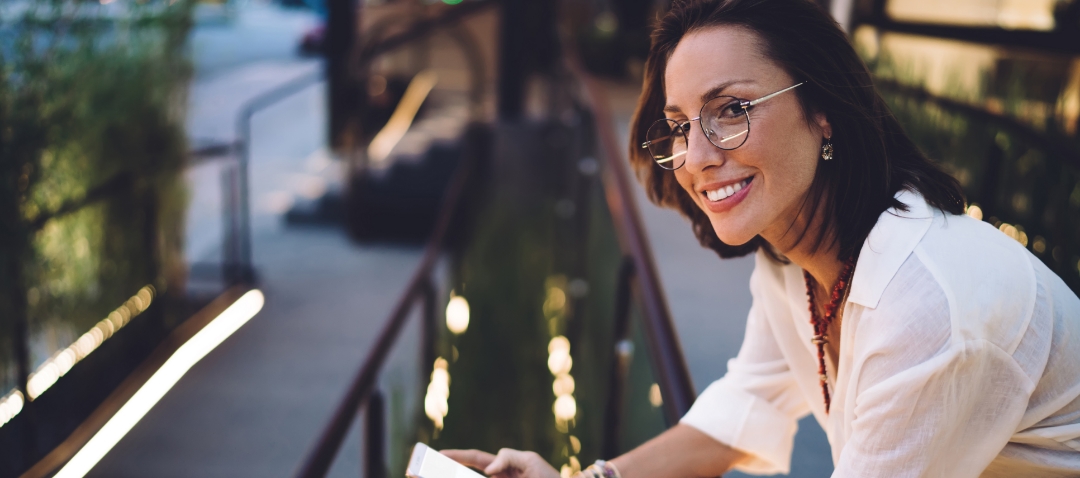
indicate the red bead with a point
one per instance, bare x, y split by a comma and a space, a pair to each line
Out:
821, 324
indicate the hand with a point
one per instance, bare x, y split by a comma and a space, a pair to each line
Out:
507, 464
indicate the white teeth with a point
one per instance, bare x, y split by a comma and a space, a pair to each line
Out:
726, 192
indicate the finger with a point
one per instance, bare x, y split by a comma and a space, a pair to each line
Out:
506, 461
538, 467
474, 458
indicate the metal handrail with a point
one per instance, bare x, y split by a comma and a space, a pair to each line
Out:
668, 361
243, 260
319, 459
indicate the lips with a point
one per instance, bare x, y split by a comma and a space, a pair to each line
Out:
723, 197
724, 192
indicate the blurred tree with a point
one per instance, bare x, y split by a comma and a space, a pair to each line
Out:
91, 146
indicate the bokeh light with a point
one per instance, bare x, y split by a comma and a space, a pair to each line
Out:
457, 315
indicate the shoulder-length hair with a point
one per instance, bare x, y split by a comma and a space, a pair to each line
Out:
873, 160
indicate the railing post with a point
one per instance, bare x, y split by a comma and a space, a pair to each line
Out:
241, 221
428, 329
620, 364
243, 211
230, 209
344, 95
374, 447
21, 337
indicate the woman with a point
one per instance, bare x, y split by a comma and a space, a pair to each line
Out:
925, 342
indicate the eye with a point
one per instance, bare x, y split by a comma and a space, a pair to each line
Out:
730, 110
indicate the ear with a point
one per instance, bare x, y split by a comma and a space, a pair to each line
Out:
823, 125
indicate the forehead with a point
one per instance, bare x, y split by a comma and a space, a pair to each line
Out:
711, 56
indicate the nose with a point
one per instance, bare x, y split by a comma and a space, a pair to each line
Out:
700, 153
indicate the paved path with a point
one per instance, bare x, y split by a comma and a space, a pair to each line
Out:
253, 406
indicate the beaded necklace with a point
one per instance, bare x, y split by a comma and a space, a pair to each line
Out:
821, 324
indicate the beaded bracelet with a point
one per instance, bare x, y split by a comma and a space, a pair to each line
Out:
600, 469
607, 469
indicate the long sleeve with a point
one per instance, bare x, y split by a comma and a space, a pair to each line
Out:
754, 408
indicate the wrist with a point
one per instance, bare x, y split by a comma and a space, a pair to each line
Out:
600, 469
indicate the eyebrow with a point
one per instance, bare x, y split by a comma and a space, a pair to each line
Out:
709, 94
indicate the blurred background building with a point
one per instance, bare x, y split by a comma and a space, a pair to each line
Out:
294, 237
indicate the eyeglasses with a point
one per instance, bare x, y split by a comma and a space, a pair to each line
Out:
724, 120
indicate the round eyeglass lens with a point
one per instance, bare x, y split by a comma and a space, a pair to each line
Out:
666, 141
725, 122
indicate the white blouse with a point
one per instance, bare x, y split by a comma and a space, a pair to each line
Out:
959, 357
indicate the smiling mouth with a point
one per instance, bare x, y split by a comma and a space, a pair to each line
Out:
725, 192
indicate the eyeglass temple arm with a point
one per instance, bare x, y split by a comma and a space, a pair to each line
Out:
770, 96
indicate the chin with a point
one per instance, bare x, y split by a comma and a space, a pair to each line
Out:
733, 237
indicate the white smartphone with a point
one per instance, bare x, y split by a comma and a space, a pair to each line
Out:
428, 463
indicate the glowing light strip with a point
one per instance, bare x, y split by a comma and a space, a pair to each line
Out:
224, 325
400, 121
61, 362
10, 406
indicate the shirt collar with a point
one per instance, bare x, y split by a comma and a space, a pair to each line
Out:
889, 244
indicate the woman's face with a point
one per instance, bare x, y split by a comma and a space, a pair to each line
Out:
776, 164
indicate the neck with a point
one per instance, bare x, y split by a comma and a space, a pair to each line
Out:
824, 263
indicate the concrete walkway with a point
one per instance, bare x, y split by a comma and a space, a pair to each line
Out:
253, 406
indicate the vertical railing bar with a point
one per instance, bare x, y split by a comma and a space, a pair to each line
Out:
243, 153
428, 329
318, 462
229, 209
622, 352
374, 448
244, 217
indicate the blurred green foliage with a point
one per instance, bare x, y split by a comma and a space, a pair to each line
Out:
541, 261
92, 144
1006, 143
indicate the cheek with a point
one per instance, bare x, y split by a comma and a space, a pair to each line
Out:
789, 165
793, 174
686, 182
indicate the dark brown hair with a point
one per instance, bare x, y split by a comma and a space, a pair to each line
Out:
874, 159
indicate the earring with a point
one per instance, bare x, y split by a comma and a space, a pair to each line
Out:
827, 150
